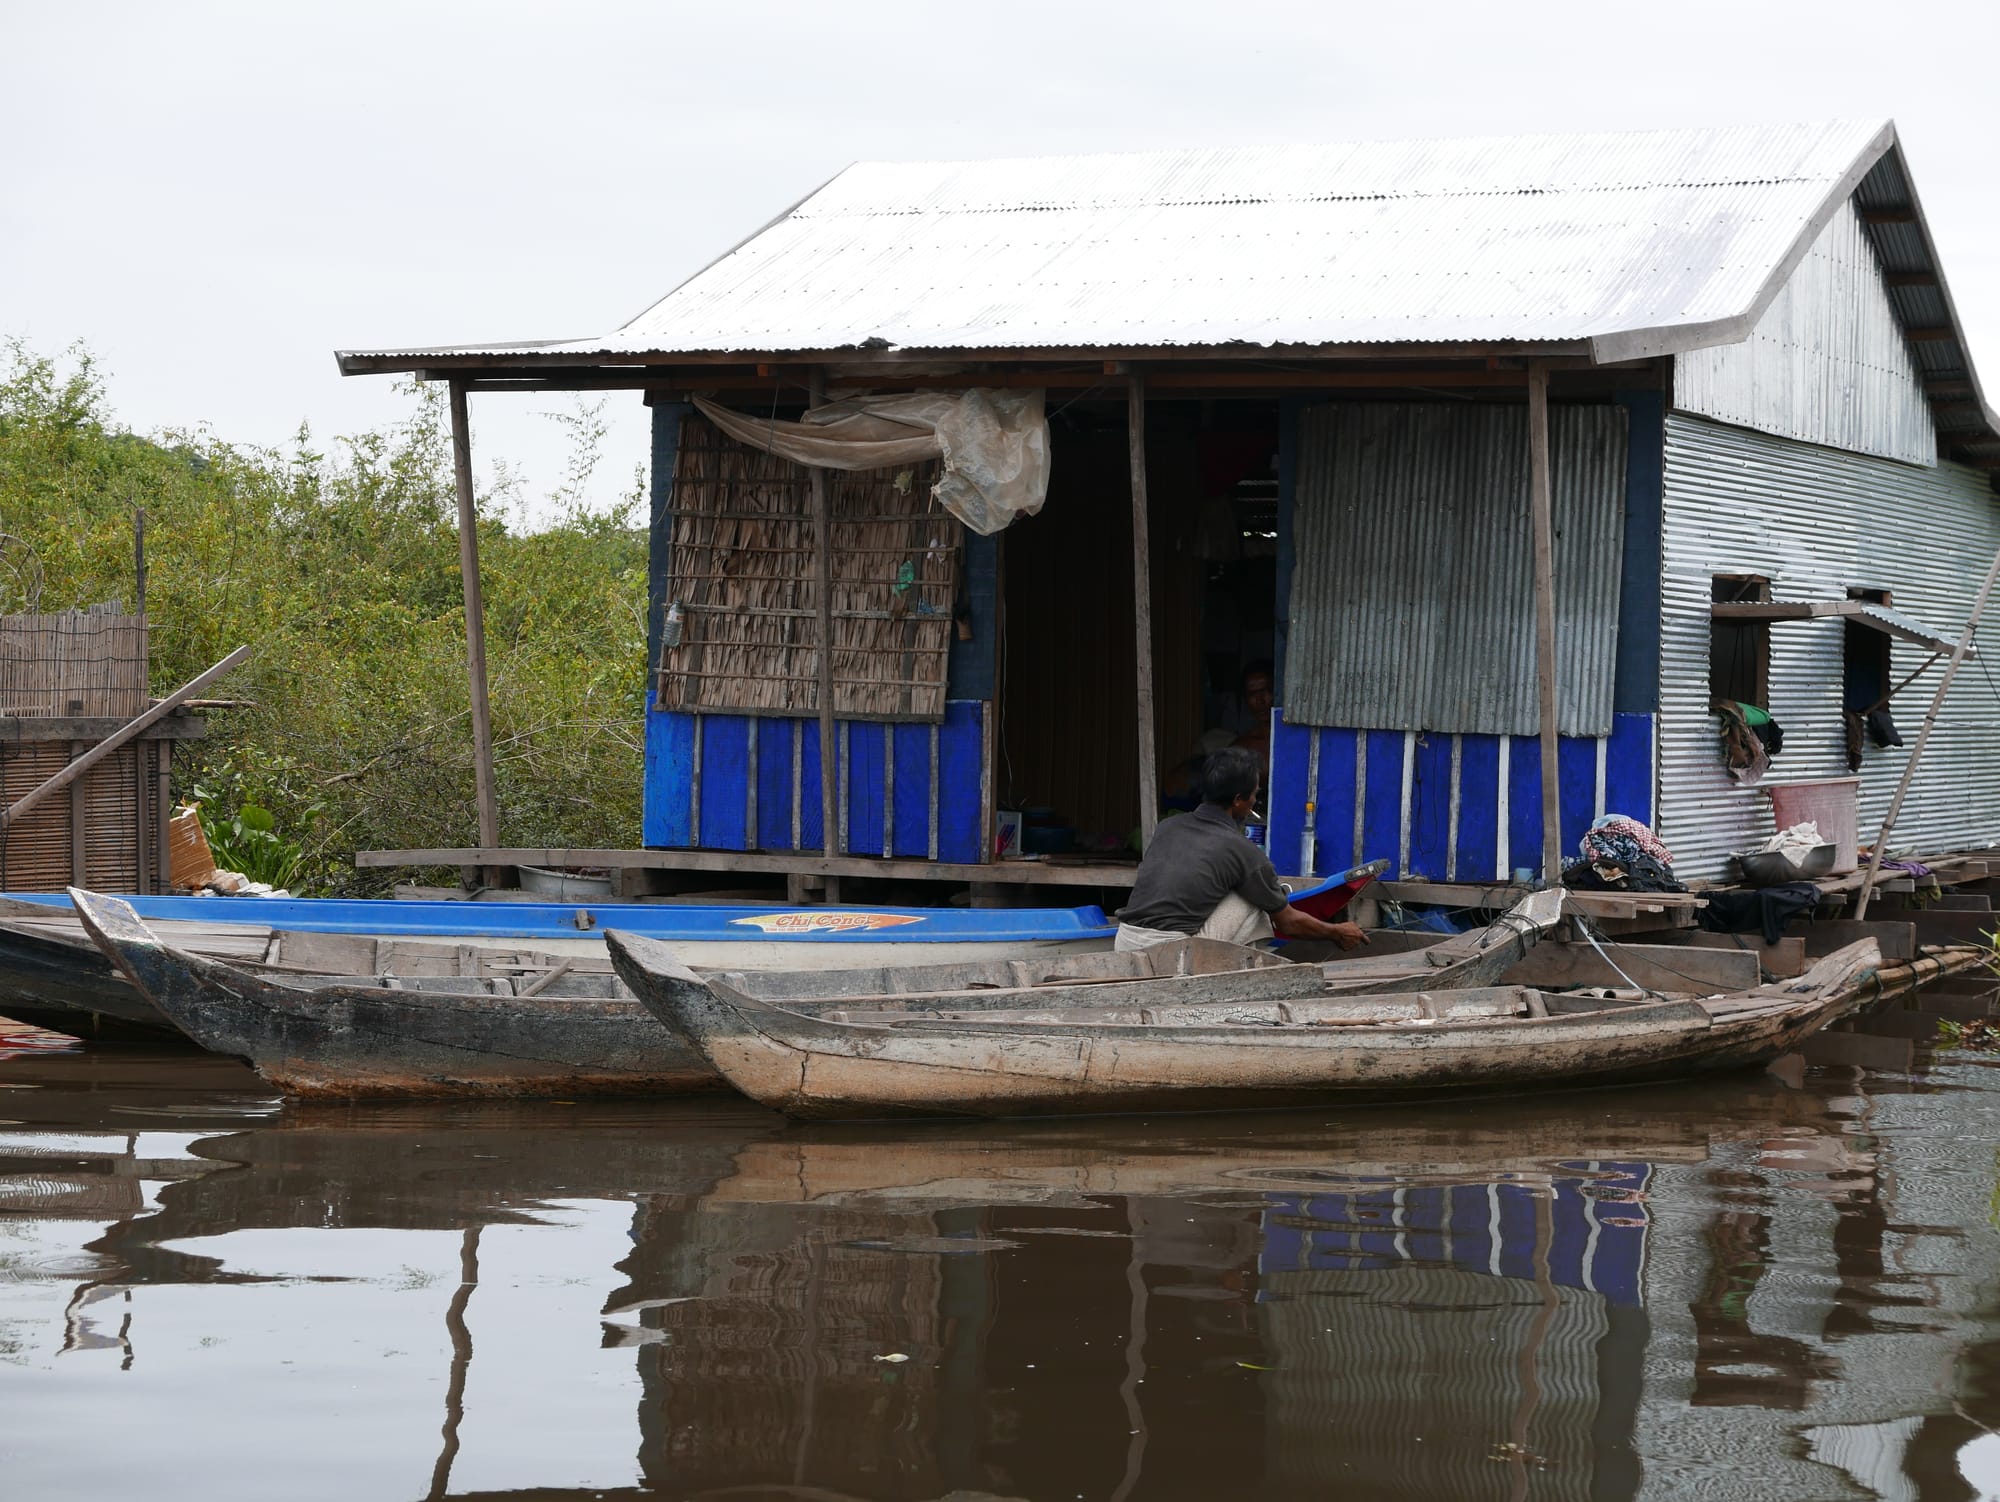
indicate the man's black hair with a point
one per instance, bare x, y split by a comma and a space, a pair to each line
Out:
1261, 665
1229, 774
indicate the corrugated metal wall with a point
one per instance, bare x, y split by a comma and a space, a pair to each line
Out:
1816, 521
1827, 362
1412, 602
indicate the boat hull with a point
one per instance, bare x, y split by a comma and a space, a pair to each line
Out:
350, 1040
820, 1069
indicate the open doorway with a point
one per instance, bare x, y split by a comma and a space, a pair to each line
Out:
1067, 686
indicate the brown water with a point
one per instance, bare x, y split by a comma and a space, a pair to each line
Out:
1771, 1286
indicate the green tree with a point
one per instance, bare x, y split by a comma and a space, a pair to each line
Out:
339, 566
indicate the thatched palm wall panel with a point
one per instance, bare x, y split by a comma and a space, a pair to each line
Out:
743, 566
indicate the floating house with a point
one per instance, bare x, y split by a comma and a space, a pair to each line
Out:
1509, 457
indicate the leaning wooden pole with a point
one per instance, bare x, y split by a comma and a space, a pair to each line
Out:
829, 749
1876, 856
475, 622
1142, 612
1541, 507
160, 710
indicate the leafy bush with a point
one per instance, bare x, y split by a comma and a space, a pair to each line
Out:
340, 569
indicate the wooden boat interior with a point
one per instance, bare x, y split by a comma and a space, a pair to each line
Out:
554, 984
1485, 1001
1178, 960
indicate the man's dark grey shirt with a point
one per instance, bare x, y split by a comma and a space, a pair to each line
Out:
1194, 862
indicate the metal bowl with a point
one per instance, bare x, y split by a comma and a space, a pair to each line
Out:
1773, 869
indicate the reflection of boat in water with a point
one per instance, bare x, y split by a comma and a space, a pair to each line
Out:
1200, 1044
1279, 1306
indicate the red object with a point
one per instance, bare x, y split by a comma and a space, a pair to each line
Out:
1327, 900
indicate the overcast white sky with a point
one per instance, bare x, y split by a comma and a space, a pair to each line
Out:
216, 196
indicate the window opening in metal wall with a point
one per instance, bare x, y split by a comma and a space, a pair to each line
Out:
1864, 657
1739, 651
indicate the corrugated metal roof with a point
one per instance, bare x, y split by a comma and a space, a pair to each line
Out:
1626, 244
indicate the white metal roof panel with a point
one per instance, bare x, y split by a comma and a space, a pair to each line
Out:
1534, 239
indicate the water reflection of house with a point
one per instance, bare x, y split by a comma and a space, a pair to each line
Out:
1810, 1297
766, 1372
1459, 1335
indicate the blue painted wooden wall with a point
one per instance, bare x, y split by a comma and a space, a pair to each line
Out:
738, 782
1443, 807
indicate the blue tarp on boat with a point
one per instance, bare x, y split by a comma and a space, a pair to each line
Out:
668, 922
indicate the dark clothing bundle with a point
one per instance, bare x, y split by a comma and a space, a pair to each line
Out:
1876, 726
1194, 862
1622, 855
1644, 874
1740, 911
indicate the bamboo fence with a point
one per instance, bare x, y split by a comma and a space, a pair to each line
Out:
741, 566
80, 663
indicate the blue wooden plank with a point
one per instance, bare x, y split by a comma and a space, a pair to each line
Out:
868, 764
1524, 803
1628, 767
1333, 809
1430, 807
812, 825
774, 784
912, 757
725, 782
961, 746
1285, 801
1478, 807
1382, 800
667, 819
1576, 775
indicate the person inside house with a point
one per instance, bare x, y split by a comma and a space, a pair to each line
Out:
1259, 695
1201, 878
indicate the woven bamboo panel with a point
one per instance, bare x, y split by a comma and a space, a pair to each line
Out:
743, 566
38, 854
82, 662
112, 807
35, 851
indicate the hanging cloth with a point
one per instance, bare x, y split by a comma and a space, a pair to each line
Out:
994, 444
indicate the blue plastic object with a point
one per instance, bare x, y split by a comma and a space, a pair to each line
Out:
675, 922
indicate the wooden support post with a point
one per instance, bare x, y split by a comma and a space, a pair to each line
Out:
79, 856
142, 832
475, 622
1541, 507
163, 811
829, 746
1876, 856
1142, 611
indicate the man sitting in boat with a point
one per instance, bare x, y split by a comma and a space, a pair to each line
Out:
1202, 878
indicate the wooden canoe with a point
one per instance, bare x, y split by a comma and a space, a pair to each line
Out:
56, 976
1153, 1046
385, 1036
458, 1035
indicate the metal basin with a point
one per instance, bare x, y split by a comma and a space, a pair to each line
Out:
1773, 869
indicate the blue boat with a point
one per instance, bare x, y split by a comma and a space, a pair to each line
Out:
732, 931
